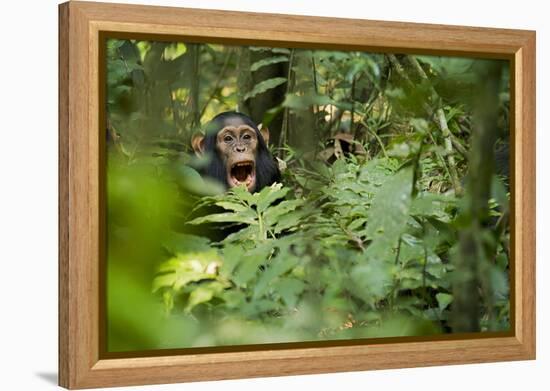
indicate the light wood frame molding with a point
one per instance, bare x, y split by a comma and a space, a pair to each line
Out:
80, 203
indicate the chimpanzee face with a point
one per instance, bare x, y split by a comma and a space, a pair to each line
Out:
237, 147
238, 152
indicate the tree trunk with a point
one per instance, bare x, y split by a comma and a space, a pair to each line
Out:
472, 256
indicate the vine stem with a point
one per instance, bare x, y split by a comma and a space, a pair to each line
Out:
352, 111
262, 236
218, 81
443, 125
377, 138
440, 118
284, 130
393, 293
442, 121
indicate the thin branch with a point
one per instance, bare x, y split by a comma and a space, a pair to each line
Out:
175, 111
439, 115
221, 76
376, 137
442, 121
284, 130
352, 111
459, 147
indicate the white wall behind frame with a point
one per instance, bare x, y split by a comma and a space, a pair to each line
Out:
28, 194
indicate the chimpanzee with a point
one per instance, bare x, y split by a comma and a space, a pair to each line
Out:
238, 152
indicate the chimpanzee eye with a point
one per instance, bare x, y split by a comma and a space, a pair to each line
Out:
247, 137
227, 139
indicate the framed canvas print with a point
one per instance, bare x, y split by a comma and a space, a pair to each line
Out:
251, 195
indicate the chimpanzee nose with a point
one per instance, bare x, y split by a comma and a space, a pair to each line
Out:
240, 148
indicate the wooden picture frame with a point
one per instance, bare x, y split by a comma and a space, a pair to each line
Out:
81, 363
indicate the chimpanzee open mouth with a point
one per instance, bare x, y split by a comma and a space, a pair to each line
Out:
243, 173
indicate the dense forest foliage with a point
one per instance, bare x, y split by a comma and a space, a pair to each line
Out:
391, 218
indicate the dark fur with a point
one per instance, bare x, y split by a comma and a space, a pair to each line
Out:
267, 170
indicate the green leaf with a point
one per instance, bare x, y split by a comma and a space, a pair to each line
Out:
244, 217
443, 300
451, 66
164, 281
376, 172
431, 204
113, 43
357, 223
269, 49
372, 280
289, 289
183, 269
498, 192
270, 194
270, 114
499, 283
288, 221
232, 257
265, 85
199, 295
184, 243
389, 212
280, 50
234, 206
256, 308
303, 102
174, 50
203, 294
242, 193
192, 181
267, 61
243, 236
277, 267
285, 208
250, 264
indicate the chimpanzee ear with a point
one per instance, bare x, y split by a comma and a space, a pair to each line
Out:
197, 142
265, 133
